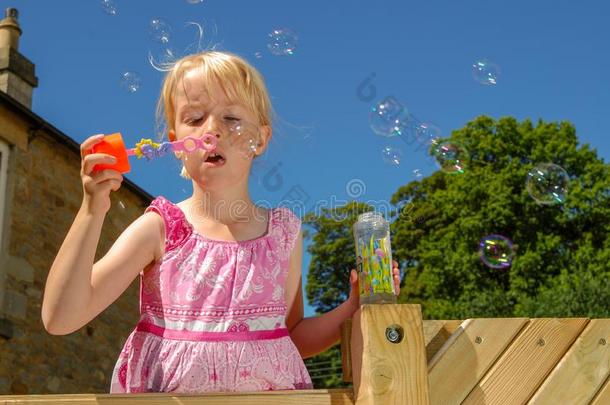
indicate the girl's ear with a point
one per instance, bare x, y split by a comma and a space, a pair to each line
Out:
171, 135
266, 134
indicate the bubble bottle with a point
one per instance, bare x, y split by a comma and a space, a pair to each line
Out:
374, 259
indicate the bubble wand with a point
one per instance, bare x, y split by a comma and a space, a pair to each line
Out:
146, 148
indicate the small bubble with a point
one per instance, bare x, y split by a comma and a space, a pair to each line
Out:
452, 157
392, 155
121, 205
485, 72
194, 1
282, 42
130, 81
417, 173
496, 251
109, 7
547, 184
258, 55
159, 30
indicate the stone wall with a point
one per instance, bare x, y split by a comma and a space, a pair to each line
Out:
44, 192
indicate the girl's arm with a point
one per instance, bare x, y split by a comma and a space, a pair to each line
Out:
78, 290
315, 335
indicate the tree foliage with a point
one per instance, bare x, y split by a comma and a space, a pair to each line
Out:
562, 252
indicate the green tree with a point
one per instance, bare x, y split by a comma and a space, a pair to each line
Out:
562, 252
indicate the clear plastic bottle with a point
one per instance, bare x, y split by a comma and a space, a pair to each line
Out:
374, 259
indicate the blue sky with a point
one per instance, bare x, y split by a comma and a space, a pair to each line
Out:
553, 57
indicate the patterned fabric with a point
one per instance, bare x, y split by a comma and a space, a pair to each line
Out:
212, 313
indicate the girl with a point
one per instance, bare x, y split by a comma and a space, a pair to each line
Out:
221, 306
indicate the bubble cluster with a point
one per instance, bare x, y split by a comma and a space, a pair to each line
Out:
485, 72
496, 251
387, 117
391, 155
159, 30
547, 184
130, 82
109, 7
452, 157
282, 42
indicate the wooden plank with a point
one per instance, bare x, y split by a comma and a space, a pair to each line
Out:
384, 372
346, 360
436, 334
465, 358
582, 370
294, 397
603, 396
524, 365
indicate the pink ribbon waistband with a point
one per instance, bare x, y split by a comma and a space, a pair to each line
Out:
211, 336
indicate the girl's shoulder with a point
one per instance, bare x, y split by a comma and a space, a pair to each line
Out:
176, 228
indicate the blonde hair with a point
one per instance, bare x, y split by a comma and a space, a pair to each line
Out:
240, 81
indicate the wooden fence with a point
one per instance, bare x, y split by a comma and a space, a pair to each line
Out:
393, 357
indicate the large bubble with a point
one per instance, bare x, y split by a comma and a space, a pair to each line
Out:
452, 157
387, 117
496, 251
547, 184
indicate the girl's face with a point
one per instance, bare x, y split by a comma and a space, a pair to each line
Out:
236, 129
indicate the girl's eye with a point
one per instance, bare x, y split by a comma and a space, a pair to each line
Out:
193, 121
229, 118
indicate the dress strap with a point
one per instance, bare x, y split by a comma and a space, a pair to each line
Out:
176, 229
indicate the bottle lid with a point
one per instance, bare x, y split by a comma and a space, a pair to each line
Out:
371, 216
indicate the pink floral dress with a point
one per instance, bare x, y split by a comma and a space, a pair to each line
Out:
212, 313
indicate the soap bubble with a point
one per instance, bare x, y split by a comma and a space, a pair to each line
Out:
194, 1
245, 137
452, 157
417, 173
547, 184
159, 30
386, 117
485, 72
496, 251
282, 42
258, 55
121, 205
130, 81
391, 155
109, 7
427, 133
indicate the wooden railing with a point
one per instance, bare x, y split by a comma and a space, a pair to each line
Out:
393, 357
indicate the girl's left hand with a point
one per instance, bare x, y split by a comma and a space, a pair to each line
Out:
354, 294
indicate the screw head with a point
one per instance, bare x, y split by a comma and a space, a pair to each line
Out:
394, 333
478, 339
541, 342
602, 341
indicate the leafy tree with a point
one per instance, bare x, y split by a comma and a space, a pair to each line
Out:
562, 252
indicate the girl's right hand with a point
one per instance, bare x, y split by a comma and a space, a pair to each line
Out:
97, 186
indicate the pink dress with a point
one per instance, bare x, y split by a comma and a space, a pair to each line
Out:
212, 313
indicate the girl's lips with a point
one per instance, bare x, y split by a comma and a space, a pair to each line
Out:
219, 163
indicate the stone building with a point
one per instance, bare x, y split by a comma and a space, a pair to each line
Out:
40, 194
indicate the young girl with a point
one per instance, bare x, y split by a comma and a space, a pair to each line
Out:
221, 305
